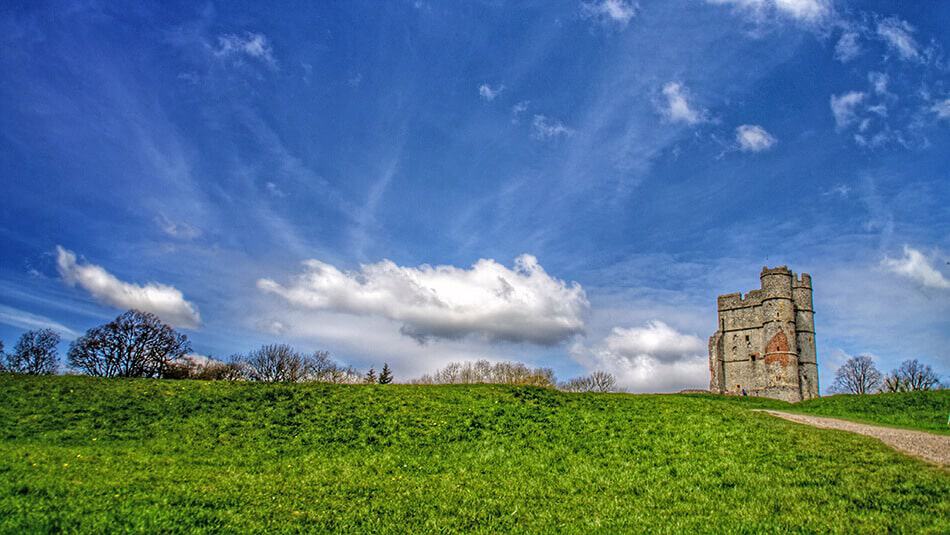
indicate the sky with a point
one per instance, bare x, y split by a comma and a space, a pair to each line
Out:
568, 184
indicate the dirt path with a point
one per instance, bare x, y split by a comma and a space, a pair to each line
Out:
927, 446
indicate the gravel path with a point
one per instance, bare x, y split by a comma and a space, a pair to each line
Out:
927, 446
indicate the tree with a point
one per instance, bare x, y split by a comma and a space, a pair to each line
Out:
35, 353
912, 375
135, 344
857, 375
2, 367
385, 376
276, 363
602, 381
370, 377
483, 371
598, 381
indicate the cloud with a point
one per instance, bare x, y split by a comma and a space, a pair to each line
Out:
489, 94
523, 304
879, 82
547, 128
843, 107
651, 358
518, 110
252, 45
807, 11
677, 107
942, 109
275, 190
916, 267
177, 229
618, 12
754, 138
847, 47
25, 320
166, 302
898, 36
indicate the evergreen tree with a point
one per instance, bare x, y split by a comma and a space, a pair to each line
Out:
370, 376
385, 376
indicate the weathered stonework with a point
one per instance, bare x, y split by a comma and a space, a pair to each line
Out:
765, 344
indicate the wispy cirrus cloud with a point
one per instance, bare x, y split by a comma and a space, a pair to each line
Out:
488, 300
617, 12
166, 302
490, 93
247, 45
899, 36
544, 127
807, 11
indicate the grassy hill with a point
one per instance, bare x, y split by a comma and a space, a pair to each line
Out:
926, 411
89, 455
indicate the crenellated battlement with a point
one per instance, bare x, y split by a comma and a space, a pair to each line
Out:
802, 281
781, 270
738, 300
766, 342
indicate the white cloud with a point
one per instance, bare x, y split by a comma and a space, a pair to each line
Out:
547, 128
166, 302
619, 12
942, 109
678, 108
843, 107
808, 11
518, 110
918, 268
754, 138
177, 229
488, 93
253, 45
898, 35
651, 358
879, 82
523, 304
847, 47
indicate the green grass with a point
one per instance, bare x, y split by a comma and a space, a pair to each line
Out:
87, 455
927, 411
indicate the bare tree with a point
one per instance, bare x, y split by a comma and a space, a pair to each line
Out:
324, 369
912, 375
34, 354
483, 371
135, 344
276, 363
603, 381
857, 375
598, 381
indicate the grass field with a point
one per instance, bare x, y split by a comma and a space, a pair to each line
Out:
927, 411
80, 454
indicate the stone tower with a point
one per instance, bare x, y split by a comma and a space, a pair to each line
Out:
765, 344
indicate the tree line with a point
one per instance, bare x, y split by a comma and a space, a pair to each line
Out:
139, 344
859, 375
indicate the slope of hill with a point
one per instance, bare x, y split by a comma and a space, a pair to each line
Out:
89, 455
927, 411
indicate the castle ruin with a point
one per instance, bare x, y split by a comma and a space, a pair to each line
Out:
765, 345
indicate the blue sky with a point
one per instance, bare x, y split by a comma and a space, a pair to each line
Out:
568, 184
